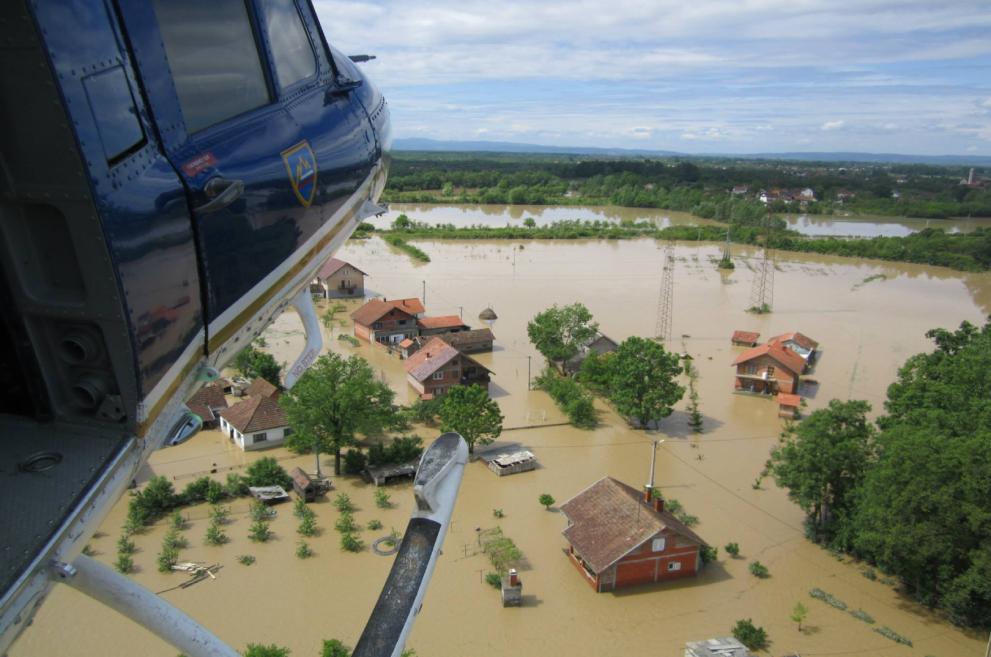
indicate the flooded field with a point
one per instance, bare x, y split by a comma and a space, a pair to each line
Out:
868, 316
821, 225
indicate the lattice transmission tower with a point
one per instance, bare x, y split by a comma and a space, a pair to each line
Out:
762, 290
665, 298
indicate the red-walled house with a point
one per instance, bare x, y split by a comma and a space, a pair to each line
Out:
618, 538
437, 367
768, 370
387, 322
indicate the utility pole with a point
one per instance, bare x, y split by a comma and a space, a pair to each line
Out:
726, 249
424, 293
665, 298
461, 312
762, 291
528, 372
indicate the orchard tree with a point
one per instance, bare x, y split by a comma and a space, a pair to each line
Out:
559, 333
333, 402
469, 411
823, 459
642, 381
255, 364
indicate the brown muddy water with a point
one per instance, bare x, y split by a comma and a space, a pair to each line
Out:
868, 316
813, 225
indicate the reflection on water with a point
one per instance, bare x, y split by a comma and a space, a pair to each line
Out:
510, 215
866, 328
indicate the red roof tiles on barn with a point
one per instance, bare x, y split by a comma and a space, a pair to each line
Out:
609, 520
445, 321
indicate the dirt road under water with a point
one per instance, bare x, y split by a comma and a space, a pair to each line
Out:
868, 316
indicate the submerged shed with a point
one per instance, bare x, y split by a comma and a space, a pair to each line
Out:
745, 338
507, 464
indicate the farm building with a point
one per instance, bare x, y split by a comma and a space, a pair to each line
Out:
507, 464
768, 370
438, 366
338, 279
745, 338
441, 325
255, 423
468, 342
621, 537
788, 405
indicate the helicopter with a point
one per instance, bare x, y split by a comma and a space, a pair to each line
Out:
174, 172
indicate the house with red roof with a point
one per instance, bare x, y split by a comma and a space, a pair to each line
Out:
387, 322
801, 344
208, 402
255, 423
768, 369
745, 338
339, 279
437, 367
619, 537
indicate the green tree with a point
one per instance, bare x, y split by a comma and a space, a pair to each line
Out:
402, 222
798, 614
547, 500
333, 402
334, 648
469, 411
753, 637
254, 364
267, 472
559, 333
642, 383
822, 460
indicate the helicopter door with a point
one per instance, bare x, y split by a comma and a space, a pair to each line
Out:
255, 176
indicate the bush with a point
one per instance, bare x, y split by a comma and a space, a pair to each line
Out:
425, 411
236, 485
757, 569
299, 508
261, 511
334, 648
257, 650
343, 503
732, 549
570, 397
219, 514
708, 553
174, 539
382, 499
268, 472
259, 532
351, 543
862, 615
401, 450
829, 599
124, 564
354, 461
303, 550
167, 558
152, 502
177, 521
346, 524
547, 500
215, 535
753, 637
894, 636
245, 559
374, 524
125, 545
498, 513
494, 580
307, 526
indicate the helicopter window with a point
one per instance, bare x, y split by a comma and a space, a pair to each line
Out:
214, 59
291, 49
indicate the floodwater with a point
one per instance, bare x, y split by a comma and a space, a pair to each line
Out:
813, 225
869, 317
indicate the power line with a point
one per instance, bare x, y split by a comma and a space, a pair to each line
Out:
665, 299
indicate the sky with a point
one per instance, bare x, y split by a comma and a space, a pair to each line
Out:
694, 76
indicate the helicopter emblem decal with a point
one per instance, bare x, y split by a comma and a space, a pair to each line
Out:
301, 165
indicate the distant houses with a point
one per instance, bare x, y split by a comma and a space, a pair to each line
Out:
619, 537
437, 367
339, 279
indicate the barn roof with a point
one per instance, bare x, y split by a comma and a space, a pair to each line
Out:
800, 339
375, 309
255, 414
746, 336
261, 387
783, 355
333, 265
205, 400
467, 338
444, 321
609, 519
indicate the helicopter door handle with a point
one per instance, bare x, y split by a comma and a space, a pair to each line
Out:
221, 192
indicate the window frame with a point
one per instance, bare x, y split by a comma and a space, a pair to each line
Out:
261, 437
674, 566
661, 541
438, 376
294, 88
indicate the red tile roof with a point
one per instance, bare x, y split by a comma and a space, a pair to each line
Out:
430, 358
333, 265
467, 338
206, 399
261, 387
375, 309
801, 340
783, 355
406, 343
786, 399
746, 336
255, 414
609, 520
444, 321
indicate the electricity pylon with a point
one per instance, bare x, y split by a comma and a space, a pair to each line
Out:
665, 298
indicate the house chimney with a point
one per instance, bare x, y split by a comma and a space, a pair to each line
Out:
658, 504
514, 578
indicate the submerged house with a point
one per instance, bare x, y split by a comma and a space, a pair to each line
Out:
255, 423
339, 279
768, 369
387, 322
208, 402
600, 344
745, 338
438, 366
801, 344
621, 537
441, 325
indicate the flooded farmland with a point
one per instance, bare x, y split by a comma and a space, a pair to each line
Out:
868, 316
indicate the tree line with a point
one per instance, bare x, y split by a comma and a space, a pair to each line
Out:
911, 492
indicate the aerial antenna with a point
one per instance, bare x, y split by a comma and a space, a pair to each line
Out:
665, 299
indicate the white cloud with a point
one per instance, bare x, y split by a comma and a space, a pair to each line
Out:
832, 125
